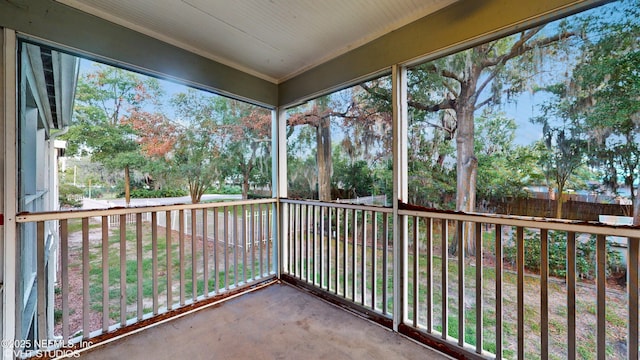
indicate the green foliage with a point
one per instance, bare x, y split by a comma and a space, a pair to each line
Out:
504, 168
226, 190
592, 91
259, 196
445, 97
592, 112
383, 180
141, 190
557, 250
119, 122
302, 179
197, 157
563, 139
94, 192
432, 180
606, 84
249, 147
70, 195
562, 149
161, 193
220, 138
103, 100
318, 166
352, 176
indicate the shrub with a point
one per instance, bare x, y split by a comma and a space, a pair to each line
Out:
96, 192
585, 254
258, 196
161, 193
70, 195
226, 190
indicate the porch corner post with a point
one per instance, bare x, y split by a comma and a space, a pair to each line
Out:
8, 195
400, 192
279, 186
633, 258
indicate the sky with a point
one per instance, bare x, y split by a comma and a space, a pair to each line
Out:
523, 109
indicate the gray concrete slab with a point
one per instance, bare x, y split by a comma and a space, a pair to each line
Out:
276, 322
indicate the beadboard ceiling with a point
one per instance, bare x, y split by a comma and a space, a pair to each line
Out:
272, 39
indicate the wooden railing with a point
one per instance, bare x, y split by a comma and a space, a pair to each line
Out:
156, 259
474, 285
343, 249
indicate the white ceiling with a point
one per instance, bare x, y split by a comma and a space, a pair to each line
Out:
272, 39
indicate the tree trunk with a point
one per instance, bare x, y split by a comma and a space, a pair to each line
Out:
245, 186
559, 203
192, 192
127, 186
325, 167
466, 169
636, 206
195, 191
560, 199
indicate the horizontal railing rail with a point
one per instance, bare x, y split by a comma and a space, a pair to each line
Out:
76, 214
111, 277
524, 221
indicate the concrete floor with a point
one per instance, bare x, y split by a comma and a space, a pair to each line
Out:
275, 322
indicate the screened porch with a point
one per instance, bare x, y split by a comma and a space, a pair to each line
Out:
386, 208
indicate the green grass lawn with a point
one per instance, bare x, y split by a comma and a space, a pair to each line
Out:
236, 272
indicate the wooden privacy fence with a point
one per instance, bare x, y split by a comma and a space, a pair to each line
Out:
573, 210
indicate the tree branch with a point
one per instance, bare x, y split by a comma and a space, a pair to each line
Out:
375, 94
518, 48
443, 128
486, 81
515, 48
300, 119
483, 103
451, 89
521, 46
445, 104
450, 74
